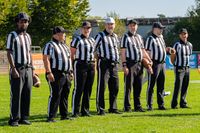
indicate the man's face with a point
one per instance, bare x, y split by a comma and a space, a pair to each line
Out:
22, 25
132, 27
61, 36
86, 31
183, 36
158, 31
110, 27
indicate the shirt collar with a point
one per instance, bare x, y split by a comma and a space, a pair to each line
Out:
131, 34
106, 33
20, 32
182, 42
56, 41
83, 36
154, 35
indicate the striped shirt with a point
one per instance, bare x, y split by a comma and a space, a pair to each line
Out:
156, 46
20, 45
133, 45
106, 45
85, 48
183, 52
59, 55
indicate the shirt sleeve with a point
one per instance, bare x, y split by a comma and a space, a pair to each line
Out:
74, 43
47, 49
97, 41
10, 42
124, 42
148, 43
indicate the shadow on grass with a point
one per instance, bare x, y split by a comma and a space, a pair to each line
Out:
162, 115
33, 118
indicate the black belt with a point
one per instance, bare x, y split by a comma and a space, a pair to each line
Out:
85, 61
182, 67
61, 71
158, 62
109, 60
23, 66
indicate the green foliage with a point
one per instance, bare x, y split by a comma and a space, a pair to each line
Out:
51, 13
45, 15
192, 24
9, 9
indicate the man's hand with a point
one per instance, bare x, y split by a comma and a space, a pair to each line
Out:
14, 73
50, 77
126, 71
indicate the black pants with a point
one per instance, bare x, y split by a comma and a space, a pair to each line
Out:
59, 92
133, 79
83, 80
157, 77
21, 94
107, 73
182, 77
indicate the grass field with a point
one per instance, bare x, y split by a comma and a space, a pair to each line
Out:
179, 120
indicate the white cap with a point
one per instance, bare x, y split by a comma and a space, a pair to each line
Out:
109, 20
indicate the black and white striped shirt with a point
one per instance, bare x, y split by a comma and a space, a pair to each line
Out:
106, 45
85, 48
20, 45
133, 45
156, 46
59, 55
183, 52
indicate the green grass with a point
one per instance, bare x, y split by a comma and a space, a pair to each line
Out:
180, 120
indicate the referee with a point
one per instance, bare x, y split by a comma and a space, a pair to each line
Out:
132, 52
57, 63
82, 51
18, 48
181, 68
106, 47
155, 46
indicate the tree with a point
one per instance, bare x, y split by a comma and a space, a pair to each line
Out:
9, 9
191, 24
45, 15
51, 13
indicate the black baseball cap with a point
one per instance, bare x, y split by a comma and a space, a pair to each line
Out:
132, 21
59, 29
158, 25
86, 24
183, 30
22, 16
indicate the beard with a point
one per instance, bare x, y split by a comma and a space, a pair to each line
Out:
22, 29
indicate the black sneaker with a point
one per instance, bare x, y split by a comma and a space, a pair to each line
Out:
127, 110
86, 114
75, 116
161, 108
184, 106
139, 109
115, 112
24, 122
149, 108
174, 107
66, 118
101, 113
14, 123
51, 120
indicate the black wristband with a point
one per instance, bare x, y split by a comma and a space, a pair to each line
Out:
47, 73
123, 64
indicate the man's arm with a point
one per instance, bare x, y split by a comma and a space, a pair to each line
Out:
124, 65
14, 71
47, 68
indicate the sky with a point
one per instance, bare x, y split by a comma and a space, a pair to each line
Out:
140, 8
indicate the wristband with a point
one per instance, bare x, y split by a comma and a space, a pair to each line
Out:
123, 64
47, 73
